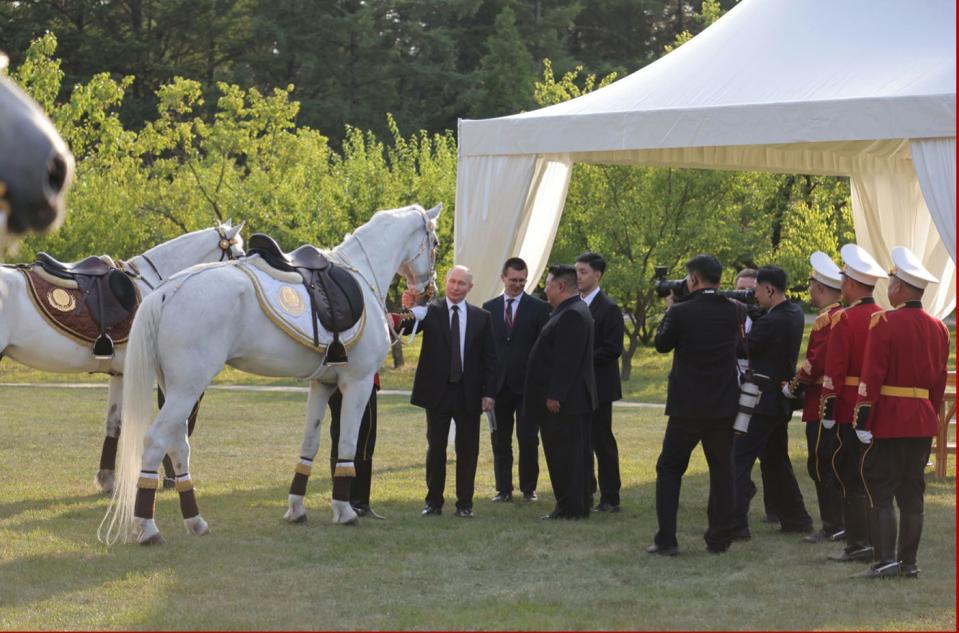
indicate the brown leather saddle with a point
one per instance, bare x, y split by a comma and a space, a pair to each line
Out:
336, 299
107, 292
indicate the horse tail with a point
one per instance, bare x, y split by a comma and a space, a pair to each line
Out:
139, 375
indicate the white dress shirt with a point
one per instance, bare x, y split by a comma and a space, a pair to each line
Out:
588, 299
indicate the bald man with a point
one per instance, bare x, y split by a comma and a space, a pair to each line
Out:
455, 380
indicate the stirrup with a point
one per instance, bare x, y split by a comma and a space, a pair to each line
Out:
335, 354
103, 347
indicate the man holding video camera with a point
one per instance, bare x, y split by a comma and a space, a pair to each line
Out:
773, 348
701, 402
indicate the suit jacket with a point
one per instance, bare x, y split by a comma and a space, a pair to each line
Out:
703, 330
774, 342
561, 363
607, 347
433, 369
512, 351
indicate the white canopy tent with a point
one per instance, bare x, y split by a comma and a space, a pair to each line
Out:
858, 88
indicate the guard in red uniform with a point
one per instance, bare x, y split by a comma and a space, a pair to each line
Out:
900, 390
825, 284
845, 350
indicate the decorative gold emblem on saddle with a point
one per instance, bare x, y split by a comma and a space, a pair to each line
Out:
61, 300
291, 302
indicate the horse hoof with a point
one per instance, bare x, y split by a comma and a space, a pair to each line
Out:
104, 481
344, 514
196, 526
155, 539
295, 517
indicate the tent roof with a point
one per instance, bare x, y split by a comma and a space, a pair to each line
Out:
769, 72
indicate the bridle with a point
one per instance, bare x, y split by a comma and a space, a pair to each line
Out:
226, 244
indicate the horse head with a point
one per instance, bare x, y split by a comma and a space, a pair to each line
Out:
419, 270
35, 165
231, 242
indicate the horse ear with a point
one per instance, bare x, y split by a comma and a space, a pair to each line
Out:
435, 211
234, 230
228, 223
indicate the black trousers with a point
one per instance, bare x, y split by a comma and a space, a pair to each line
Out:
509, 406
682, 436
846, 460
895, 467
567, 453
820, 444
365, 443
607, 455
452, 407
769, 435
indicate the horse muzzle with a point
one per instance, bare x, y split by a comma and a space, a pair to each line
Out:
36, 167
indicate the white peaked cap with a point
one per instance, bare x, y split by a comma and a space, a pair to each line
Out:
908, 268
825, 271
860, 265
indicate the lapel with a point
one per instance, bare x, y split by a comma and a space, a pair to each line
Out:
443, 316
518, 311
470, 327
597, 303
499, 307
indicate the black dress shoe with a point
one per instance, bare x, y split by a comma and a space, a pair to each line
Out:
820, 536
861, 554
880, 571
661, 550
838, 536
530, 496
502, 497
741, 534
431, 511
465, 513
909, 570
605, 506
364, 510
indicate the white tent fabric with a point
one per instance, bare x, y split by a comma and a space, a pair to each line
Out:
934, 160
852, 88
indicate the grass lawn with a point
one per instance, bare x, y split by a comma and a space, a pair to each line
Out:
504, 569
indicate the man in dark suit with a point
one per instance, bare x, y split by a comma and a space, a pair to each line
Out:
517, 320
455, 379
701, 402
561, 393
607, 348
773, 342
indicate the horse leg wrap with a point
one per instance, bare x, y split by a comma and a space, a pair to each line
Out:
147, 486
188, 506
301, 477
344, 468
108, 455
341, 488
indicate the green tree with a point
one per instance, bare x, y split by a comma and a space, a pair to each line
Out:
504, 80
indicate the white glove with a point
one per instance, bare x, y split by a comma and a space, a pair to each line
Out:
419, 312
787, 392
864, 436
828, 424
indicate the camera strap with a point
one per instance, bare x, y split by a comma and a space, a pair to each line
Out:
741, 316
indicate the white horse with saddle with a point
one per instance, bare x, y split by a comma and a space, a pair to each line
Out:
75, 318
272, 314
35, 165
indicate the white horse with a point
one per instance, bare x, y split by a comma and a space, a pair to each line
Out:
200, 321
27, 337
35, 165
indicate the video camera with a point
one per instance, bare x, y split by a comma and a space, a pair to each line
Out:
677, 287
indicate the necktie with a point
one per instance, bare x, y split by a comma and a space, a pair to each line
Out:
456, 363
509, 316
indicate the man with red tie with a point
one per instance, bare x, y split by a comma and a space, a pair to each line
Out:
844, 354
900, 390
825, 288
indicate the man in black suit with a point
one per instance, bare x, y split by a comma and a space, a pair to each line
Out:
455, 379
607, 348
701, 402
517, 320
561, 393
774, 341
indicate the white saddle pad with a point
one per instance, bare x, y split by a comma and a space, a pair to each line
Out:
284, 301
